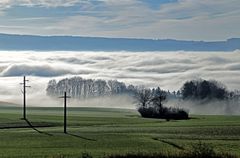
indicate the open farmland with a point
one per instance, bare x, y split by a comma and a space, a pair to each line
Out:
100, 132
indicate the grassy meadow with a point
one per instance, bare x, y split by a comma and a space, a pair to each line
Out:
102, 131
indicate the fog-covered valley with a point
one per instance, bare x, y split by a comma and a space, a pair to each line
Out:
168, 70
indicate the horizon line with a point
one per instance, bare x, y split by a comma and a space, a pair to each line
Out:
127, 38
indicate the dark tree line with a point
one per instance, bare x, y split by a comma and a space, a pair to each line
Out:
203, 89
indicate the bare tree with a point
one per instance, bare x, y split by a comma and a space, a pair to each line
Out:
158, 97
143, 97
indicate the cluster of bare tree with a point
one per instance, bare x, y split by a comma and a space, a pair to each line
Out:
80, 88
150, 101
150, 105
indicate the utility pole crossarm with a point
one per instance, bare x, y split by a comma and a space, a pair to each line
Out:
64, 97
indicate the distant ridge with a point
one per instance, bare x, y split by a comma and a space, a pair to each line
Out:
77, 43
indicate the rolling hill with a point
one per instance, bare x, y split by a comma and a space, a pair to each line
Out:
77, 43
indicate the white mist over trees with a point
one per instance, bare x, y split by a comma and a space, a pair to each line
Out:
197, 96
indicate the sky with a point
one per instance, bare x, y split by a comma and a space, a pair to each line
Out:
208, 20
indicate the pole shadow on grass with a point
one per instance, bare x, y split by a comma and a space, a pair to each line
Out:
31, 126
81, 137
169, 143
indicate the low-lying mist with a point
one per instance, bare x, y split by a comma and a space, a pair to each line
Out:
214, 107
210, 107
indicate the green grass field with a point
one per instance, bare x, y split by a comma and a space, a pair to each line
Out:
102, 132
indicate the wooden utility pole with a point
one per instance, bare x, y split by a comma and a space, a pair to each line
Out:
24, 96
65, 111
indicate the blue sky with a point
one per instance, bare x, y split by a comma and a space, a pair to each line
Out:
156, 19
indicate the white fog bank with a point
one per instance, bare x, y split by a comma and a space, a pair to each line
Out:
169, 70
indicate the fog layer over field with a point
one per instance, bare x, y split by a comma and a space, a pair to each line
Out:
213, 107
169, 70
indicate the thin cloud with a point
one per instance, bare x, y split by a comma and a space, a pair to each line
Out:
46, 3
40, 70
190, 20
